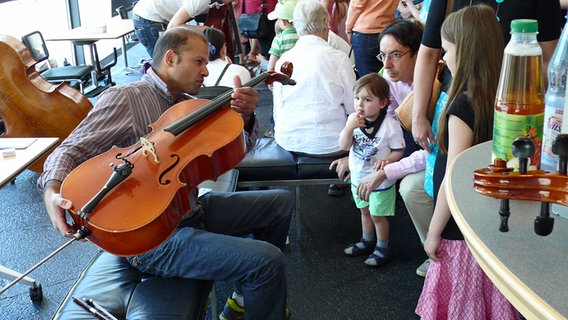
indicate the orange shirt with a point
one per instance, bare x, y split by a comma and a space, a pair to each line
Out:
370, 16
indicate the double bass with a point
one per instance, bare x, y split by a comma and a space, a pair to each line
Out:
29, 105
224, 19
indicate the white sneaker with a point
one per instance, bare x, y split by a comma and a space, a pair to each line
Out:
423, 269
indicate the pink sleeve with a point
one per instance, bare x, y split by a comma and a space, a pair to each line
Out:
411, 164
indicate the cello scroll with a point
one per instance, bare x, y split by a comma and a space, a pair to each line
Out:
502, 182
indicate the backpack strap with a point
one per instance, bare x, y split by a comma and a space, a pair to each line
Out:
263, 6
221, 75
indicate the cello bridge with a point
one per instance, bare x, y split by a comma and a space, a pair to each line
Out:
148, 148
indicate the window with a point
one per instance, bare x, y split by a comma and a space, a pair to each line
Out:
20, 17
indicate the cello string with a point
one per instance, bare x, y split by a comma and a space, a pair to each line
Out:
184, 123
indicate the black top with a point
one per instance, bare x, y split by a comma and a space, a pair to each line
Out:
462, 109
546, 12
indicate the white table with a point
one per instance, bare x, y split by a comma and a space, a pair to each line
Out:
84, 35
530, 270
27, 150
115, 29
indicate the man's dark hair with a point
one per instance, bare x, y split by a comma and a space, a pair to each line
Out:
178, 39
407, 32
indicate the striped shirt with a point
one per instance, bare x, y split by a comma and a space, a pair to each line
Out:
283, 42
121, 115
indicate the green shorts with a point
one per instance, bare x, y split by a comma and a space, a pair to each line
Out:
381, 203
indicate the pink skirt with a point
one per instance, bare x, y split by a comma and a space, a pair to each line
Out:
457, 288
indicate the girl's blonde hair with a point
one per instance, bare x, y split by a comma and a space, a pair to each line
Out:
478, 38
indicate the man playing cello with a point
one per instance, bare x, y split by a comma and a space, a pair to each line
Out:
208, 242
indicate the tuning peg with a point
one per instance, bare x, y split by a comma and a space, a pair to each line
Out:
504, 213
523, 149
543, 224
560, 148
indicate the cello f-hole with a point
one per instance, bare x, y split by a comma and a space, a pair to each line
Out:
168, 169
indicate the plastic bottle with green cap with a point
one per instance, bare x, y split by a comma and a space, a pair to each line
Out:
554, 117
519, 103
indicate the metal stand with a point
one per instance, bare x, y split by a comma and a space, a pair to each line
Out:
36, 292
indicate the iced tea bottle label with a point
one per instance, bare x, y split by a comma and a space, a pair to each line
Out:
507, 127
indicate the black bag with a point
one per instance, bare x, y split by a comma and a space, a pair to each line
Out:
216, 90
211, 93
254, 25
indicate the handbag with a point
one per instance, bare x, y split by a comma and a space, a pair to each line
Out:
404, 110
254, 25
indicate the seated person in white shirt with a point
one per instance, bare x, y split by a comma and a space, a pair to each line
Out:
221, 68
310, 115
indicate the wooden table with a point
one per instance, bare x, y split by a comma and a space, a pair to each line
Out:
27, 150
530, 270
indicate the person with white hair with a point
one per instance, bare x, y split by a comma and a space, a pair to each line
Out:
309, 116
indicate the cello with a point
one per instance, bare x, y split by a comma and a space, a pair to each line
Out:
126, 208
29, 105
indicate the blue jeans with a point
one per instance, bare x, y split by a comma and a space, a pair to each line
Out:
366, 49
147, 32
215, 246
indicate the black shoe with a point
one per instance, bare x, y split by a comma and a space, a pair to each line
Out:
378, 258
335, 190
353, 250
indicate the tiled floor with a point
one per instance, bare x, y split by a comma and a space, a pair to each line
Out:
323, 283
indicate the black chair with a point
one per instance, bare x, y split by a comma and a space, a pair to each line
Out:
75, 75
123, 13
104, 72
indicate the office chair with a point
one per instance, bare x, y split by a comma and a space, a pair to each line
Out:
123, 13
74, 74
103, 72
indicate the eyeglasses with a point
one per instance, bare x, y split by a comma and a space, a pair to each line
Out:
394, 56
